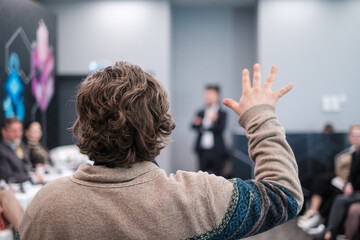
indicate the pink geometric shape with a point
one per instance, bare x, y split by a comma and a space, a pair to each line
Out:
42, 66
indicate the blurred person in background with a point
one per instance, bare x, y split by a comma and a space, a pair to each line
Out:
327, 186
39, 155
351, 192
210, 124
352, 224
10, 207
15, 165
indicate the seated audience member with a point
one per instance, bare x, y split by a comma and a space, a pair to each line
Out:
123, 123
351, 193
39, 155
326, 187
352, 224
15, 164
10, 208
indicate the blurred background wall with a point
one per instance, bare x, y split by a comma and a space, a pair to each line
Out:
109, 31
316, 46
187, 44
210, 46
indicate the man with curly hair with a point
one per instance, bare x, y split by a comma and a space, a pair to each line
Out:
123, 123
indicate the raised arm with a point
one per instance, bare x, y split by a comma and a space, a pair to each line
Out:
275, 196
273, 157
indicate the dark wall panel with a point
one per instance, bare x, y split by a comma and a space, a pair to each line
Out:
27, 65
314, 152
66, 95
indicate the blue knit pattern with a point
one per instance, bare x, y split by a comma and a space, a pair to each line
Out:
17, 235
255, 207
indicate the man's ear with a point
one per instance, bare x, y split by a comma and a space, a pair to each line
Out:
3, 132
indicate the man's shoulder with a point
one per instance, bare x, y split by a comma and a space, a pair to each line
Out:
5, 150
346, 152
201, 111
57, 184
2, 144
200, 180
52, 191
222, 111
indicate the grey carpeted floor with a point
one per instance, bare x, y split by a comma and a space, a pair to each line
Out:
286, 231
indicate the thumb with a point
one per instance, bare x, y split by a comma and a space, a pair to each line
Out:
230, 104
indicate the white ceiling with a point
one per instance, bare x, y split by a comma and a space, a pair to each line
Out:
239, 3
233, 3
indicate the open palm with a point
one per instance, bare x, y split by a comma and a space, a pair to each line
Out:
257, 94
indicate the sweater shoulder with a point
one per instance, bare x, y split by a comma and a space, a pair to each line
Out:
201, 180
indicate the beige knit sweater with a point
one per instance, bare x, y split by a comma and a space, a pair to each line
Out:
143, 202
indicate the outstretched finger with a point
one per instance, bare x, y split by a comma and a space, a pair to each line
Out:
245, 80
257, 76
231, 104
271, 78
282, 91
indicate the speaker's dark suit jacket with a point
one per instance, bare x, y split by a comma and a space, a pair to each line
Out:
13, 169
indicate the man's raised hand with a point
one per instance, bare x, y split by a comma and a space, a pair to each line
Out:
257, 94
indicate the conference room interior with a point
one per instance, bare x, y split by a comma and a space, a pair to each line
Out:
187, 45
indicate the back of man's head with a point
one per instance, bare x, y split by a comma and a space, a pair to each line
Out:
122, 116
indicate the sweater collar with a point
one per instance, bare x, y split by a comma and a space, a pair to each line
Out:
102, 174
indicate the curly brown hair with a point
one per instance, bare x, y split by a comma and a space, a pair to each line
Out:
122, 116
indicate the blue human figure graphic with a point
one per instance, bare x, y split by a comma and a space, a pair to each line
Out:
13, 103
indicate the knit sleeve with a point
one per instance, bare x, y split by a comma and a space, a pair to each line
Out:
274, 159
275, 196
